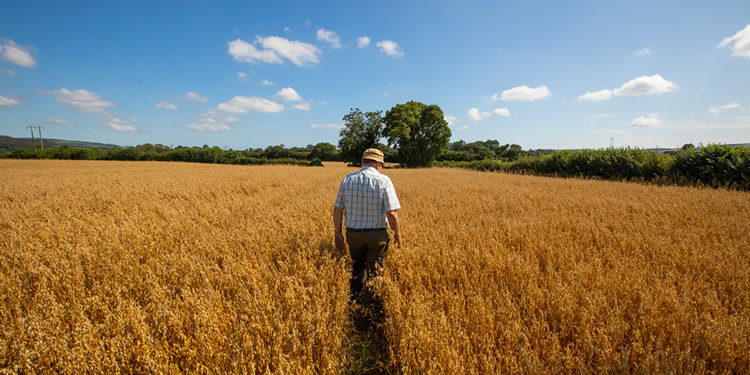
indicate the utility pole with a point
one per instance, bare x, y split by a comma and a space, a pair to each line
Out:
38, 128
41, 140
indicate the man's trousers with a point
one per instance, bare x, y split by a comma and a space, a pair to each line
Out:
367, 250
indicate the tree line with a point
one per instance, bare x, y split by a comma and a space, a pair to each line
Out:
417, 135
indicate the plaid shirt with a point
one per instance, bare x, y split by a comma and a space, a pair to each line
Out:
365, 197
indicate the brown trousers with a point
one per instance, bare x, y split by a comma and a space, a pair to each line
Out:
367, 250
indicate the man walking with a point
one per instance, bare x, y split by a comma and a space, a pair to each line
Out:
370, 203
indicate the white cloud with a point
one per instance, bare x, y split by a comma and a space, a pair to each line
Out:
596, 96
10, 73
121, 125
83, 101
204, 126
648, 121
57, 121
275, 49
494, 97
6, 101
327, 126
646, 85
451, 120
740, 43
266, 82
390, 48
242, 76
463, 128
16, 54
211, 121
87, 102
246, 52
363, 41
197, 97
330, 37
288, 94
643, 52
717, 110
302, 106
287, 29
502, 112
165, 105
245, 104
474, 114
525, 93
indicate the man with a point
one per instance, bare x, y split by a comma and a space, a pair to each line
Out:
370, 203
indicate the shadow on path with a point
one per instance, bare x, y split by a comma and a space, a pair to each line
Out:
367, 344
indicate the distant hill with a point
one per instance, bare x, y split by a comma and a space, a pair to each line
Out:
10, 143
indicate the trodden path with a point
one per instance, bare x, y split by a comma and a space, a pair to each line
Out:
367, 345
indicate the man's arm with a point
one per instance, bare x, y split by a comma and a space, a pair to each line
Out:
392, 217
338, 236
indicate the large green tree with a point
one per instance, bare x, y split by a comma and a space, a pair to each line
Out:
361, 131
324, 151
418, 131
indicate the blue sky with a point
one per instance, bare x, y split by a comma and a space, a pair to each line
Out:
577, 74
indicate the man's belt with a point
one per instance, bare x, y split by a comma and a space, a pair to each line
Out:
360, 230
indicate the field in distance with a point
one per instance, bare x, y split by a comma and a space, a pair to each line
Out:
175, 267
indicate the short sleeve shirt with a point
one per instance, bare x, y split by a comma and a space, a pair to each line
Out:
365, 197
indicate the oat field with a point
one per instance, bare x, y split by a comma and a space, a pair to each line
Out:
147, 267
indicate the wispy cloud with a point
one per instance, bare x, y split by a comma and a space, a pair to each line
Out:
302, 106
643, 52
646, 121
739, 42
474, 115
274, 50
12, 52
363, 42
330, 37
525, 94
266, 82
196, 97
90, 103
390, 48
83, 101
451, 120
57, 121
245, 104
717, 110
121, 125
165, 105
9, 72
242, 76
327, 126
211, 121
6, 101
595, 96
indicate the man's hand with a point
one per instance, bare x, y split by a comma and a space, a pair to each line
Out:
392, 217
397, 239
338, 240
338, 237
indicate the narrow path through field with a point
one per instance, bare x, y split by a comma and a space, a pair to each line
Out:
367, 345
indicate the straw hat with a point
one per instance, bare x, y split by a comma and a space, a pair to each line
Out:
373, 154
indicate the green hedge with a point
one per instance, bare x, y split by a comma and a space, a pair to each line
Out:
712, 165
184, 154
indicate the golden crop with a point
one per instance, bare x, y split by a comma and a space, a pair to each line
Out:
145, 267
